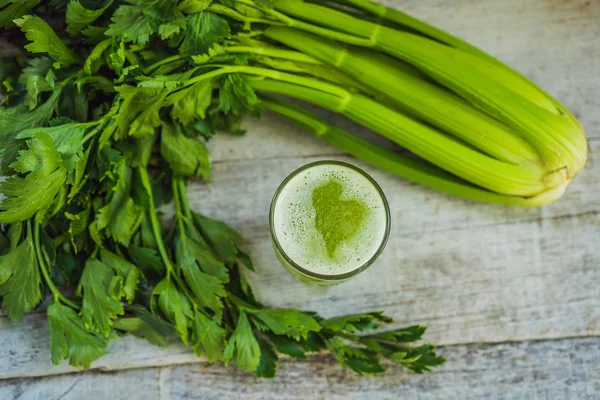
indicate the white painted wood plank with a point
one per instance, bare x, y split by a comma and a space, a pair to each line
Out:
557, 370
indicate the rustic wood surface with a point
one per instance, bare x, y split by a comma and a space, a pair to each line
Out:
563, 369
512, 295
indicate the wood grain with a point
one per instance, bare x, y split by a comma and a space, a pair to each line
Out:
557, 370
471, 272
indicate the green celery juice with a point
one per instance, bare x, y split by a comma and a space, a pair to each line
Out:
329, 222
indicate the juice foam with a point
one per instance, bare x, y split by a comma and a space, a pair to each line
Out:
330, 219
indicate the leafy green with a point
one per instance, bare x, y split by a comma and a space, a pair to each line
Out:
20, 280
69, 338
186, 156
145, 258
194, 6
146, 326
191, 104
208, 337
143, 18
243, 347
44, 40
355, 323
268, 360
46, 174
13, 9
139, 112
67, 138
121, 216
207, 289
221, 237
292, 323
174, 305
405, 335
288, 346
204, 29
79, 17
95, 60
128, 272
237, 97
101, 291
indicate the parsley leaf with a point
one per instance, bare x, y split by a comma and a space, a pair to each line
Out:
69, 338
174, 305
207, 261
145, 258
79, 17
293, 323
191, 103
100, 288
220, 236
143, 18
120, 217
207, 337
46, 174
204, 29
186, 156
237, 97
44, 40
95, 60
243, 346
20, 279
127, 271
419, 359
13, 9
268, 360
361, 361
207, 289
403, 335
139, 112
355, 322
194, 6
146, 326
67, 138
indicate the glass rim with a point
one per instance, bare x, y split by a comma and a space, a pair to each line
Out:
315, 275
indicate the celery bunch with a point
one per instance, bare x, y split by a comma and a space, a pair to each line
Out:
501, 138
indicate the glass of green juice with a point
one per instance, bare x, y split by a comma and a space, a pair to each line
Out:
329, 222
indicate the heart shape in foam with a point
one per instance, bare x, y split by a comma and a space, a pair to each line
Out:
336, 220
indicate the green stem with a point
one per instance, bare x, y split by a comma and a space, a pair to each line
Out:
128, 324
179, 212
156, 229
187, 211
164, 61
229, 12
155, 223
42, 263
348, 336
273, 52
273, 74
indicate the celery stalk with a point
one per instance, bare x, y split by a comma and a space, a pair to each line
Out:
425, 100
463, 161
523, 108
406, 167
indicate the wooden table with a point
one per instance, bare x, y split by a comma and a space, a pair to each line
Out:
511, 295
